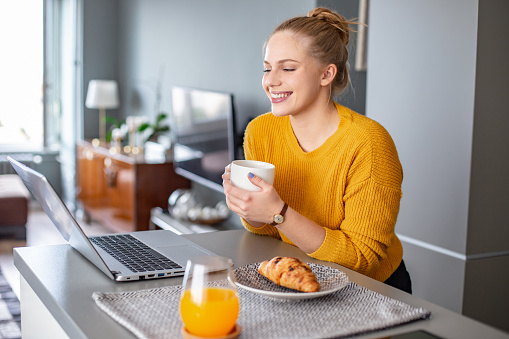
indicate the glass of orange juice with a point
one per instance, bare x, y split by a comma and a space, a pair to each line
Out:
209, 305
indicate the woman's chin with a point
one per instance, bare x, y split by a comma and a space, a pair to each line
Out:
279, 112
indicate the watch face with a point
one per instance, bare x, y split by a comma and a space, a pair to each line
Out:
278, 218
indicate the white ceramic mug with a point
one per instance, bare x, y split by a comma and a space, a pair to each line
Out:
241, 168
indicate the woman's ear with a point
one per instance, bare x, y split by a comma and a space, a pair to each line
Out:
329, 74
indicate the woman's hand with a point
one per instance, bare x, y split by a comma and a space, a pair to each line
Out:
257, 208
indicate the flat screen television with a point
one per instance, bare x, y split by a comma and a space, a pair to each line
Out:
204, 134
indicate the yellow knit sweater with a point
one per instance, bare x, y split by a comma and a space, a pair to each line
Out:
351, 185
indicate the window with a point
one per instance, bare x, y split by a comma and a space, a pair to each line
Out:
38, 45
21, 69
39, 84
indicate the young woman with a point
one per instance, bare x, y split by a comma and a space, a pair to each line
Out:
338, 176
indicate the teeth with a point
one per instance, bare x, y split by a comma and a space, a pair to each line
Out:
279, 96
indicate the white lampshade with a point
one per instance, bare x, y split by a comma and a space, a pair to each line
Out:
102, 94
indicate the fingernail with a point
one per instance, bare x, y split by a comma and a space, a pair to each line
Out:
251, 175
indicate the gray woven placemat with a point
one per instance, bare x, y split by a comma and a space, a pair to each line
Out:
350, 311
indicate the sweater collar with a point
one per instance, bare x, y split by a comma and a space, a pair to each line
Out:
345, 121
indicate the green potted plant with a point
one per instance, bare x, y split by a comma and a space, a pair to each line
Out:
157, 128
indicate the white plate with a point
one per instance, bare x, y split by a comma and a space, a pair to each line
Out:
330, 279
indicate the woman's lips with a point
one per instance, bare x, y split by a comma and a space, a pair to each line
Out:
277, 97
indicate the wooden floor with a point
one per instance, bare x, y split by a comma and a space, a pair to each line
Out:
40, 231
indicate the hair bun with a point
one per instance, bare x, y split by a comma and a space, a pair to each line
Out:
332, 18
322, 13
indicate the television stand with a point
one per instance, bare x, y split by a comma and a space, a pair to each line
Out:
161, 218
119, 190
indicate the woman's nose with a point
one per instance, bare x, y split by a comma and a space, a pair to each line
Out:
271, 79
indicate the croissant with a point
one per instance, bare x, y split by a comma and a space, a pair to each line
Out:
291, 273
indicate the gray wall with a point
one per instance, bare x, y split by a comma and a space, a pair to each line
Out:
488, 220
421, 86
355, 96
100, 54
437, 78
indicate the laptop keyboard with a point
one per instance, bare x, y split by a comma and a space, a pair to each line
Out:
133, 253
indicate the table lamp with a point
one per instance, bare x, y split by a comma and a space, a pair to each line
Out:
102, 94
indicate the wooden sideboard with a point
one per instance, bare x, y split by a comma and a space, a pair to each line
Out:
119, 190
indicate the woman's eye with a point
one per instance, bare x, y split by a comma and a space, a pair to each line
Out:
284, 70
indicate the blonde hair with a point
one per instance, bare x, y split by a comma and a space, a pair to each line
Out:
326, 34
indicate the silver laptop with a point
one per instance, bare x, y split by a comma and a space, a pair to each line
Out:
121, 256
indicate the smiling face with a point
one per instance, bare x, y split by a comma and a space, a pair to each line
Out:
292, 78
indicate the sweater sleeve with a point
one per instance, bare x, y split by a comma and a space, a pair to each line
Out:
371, 205
366, 232
266, 229
251, 151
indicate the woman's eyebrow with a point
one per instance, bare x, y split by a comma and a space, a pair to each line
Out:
281, 61
287, 60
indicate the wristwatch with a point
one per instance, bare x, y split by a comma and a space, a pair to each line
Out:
279, 218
